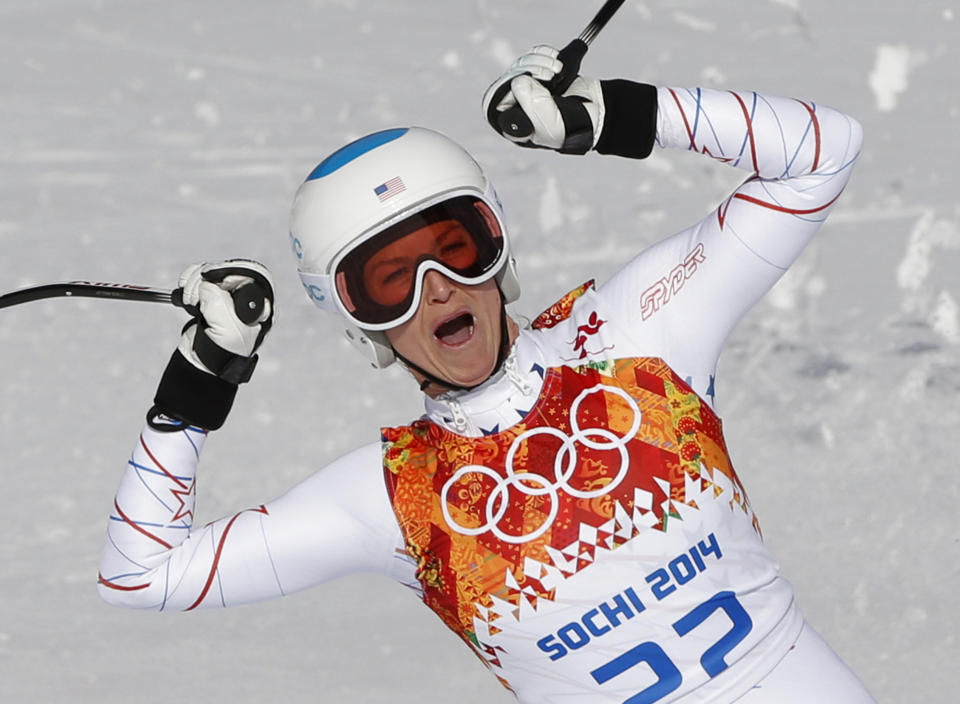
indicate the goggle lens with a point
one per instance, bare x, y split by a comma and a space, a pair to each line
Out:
389, 275
377, 281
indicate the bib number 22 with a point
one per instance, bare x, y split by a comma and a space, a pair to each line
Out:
668, 675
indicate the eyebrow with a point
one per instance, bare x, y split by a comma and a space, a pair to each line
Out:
393, 261
454, 227
448, 232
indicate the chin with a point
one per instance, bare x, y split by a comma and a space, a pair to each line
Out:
471, 377
469, 381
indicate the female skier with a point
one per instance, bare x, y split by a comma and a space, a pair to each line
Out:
566, 504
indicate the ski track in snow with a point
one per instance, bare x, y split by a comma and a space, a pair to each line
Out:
136, 139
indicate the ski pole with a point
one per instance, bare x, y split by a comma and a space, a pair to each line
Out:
248, 300
513, 121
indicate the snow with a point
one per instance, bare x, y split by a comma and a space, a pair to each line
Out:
889, 76
137, 137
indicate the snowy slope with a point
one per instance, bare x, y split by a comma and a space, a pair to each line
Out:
138, 136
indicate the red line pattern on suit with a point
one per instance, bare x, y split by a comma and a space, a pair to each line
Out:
749, 123
216, 558
750, 139
129, 521
816, 134
119, 587
143, 444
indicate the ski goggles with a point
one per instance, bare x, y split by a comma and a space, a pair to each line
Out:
378, 283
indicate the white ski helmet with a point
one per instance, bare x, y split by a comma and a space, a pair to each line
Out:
368, 186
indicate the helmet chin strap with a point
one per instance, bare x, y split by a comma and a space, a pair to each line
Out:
432, 379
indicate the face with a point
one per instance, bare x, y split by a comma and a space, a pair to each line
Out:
455, 333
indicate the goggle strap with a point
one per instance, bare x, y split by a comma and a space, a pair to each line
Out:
319, 289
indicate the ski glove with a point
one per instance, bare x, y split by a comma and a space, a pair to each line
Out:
220, 342
610, 116
232, 307
569, 123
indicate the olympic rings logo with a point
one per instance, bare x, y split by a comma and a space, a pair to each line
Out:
564, 467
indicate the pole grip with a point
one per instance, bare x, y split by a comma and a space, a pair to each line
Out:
514, 121
248, 302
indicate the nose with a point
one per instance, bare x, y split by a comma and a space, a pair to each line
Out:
436, 287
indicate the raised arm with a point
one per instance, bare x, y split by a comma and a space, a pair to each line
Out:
335, 522
683, 295
799, 156
693, 287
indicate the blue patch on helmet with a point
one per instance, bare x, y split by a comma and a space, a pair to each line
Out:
346, 154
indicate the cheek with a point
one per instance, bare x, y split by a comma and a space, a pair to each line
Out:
492, 309
398, 335
407, 338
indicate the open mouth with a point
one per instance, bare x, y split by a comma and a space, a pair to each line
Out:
455, 331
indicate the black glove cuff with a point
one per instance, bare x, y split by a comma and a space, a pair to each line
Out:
228, 366
630, 119
192, 396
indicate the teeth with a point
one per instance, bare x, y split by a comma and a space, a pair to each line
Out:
456, 327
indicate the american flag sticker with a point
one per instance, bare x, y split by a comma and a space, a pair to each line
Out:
390, 188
